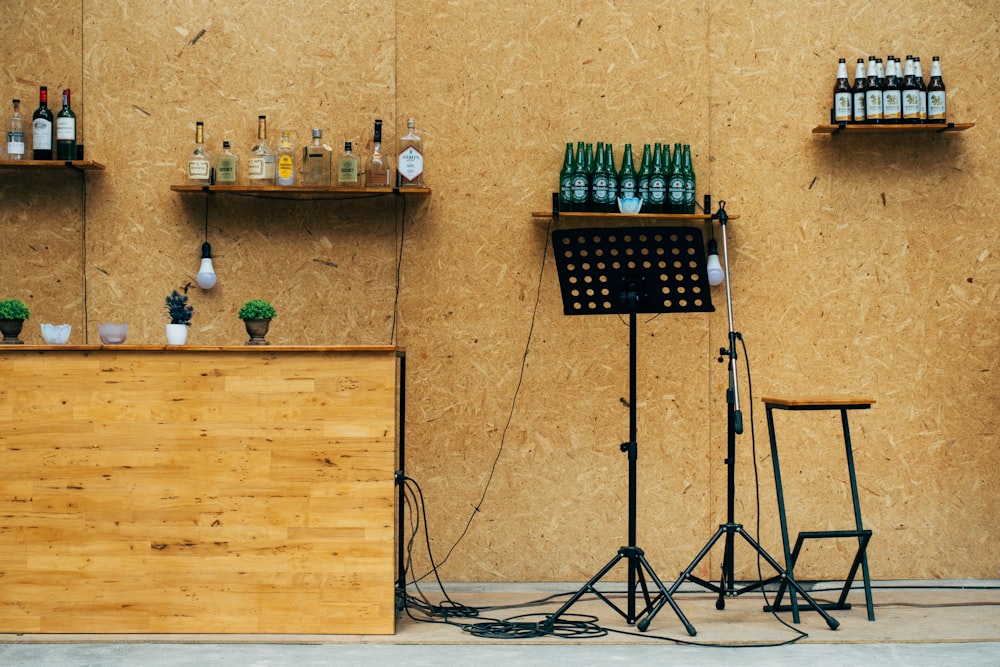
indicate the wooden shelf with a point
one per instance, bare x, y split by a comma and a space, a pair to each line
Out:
864, 128
83, 165
298, 191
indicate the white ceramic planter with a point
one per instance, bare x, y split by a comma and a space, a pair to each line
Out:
177, 334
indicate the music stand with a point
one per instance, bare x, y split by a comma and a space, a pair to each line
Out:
631, 270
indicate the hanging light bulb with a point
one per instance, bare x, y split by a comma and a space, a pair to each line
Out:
206, 272
713, 266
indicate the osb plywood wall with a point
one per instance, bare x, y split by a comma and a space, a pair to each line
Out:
859, 265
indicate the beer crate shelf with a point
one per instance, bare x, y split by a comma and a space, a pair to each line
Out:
556, 214
298, 191
863, 128
83, 165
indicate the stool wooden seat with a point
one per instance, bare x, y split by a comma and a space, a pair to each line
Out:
841, 404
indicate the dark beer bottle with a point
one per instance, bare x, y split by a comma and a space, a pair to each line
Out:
599, 182
937, 111
873, 89
892, 108
858, 93
841, 94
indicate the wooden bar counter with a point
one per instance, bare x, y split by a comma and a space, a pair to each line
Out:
197, 489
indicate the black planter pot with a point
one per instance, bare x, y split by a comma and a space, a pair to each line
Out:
257, 329
11, 329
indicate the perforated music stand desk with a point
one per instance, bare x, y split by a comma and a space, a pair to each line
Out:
614, 271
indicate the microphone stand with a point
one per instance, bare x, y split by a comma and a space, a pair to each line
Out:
727, 585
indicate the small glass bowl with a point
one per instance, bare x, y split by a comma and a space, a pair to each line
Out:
55, 334
112, 334
629, 204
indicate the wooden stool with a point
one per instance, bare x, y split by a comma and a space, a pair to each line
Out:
843, 404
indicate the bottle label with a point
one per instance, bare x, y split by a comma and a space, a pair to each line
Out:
873, 109
842, 107
891, 106
936, 105
859, 107
566, 189
347, 171
226, 171
255, 168
411, 164
676, 190
600, 189
286, 168
579, 189
65, 129
657, 190
41, 135
198, 170
15, 143
628, 187
911, 104
689, 194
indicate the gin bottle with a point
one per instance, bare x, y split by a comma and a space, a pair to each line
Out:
410, 164
15, 134
317, 161
285, 161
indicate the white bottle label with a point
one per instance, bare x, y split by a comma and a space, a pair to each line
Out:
255, 167
842, 107
15, 143
198, 170
411, 163
874, 106
65, 129
859, 106
890, 104
911, 103
936, 104
41, 131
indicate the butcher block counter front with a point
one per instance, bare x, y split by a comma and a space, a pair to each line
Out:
197, 489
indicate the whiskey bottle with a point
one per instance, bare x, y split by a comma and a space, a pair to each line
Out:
348, 167
226, 166
841, 94
410, 164
936, 98
858, 93
377, 169
260, 165
317, 161
284, 163
15, 134
66, 130
199, 166
41, 128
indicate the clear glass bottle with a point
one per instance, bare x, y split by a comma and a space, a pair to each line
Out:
15, 134
937, 110
348, 167
285, 160
226, 166
410, 164
841, 94
199, 165
260, 164
66, 130
377, 168
317, 161
41, 127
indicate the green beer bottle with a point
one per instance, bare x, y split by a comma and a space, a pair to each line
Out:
610, 204
628, 185
599, 181
688, 181
581, 180
645, 173
566, 181
675, 182
657, 182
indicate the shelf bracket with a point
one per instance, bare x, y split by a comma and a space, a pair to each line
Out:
946, 128
555, 205
841, 126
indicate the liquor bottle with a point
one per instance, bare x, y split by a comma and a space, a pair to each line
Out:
911, 94
676, 182
566, 180
918, 74
689, 181
645, 173
599, 181
873, 90
410, 164
657, 182
15, 134
348, 167
317, 161
260, 164
841, 94
66, 130
377, 165
936, 98
581, 180
41, 128
199, 166
892, 107
611, 204
628, 184
284, 163
858, 93
226, 166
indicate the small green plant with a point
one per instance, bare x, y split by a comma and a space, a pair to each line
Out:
178, 308
257, 309
13, 309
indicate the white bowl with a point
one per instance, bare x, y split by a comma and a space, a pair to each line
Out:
111, 333
629, 204
56, 334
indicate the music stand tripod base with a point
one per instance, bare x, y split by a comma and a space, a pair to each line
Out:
631, 270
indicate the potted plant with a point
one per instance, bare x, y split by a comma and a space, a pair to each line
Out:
180, 312
13, 313
256, 315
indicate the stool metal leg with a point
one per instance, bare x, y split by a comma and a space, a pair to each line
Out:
857, 515
789, 562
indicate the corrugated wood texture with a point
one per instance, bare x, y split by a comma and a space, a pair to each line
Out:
205, 491
860, 265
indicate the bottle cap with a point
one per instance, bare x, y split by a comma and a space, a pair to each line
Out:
317, 133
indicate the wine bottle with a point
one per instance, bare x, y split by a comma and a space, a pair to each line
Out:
317, 161
348, 167
873, 89
377, 165
199, 166
841, 94
66, 130
15, 134
41, 128
628, 184
410, 163
226, 166
936, 98
911, 94
260, 165
858, 93
676, 182
566, 180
